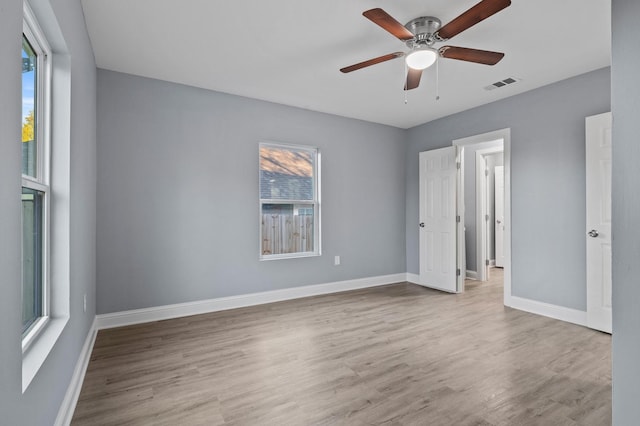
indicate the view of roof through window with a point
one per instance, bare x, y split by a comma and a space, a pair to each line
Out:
286, 173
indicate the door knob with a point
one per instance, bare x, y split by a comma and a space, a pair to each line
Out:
593, 233
421, 225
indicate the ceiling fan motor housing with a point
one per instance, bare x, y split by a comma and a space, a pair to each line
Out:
424, 29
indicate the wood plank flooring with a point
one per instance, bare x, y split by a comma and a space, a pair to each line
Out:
392, 355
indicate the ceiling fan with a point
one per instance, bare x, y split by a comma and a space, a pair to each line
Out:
421, 34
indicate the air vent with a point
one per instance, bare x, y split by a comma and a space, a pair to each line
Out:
502, 83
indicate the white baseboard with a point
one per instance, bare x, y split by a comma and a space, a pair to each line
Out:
158, 313
68, 406
472, 275
562, 313
413, 278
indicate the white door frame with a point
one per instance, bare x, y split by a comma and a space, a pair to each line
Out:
505, 135
481, 211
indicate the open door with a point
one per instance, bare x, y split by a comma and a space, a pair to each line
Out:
499, 215
598, 232
439, 226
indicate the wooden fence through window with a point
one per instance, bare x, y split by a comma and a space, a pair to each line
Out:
283, 234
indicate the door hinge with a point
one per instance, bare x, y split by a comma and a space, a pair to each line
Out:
458, 219
458, 272
486, 217
458, 165
487, 262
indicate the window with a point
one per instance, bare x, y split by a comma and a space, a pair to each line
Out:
289, 201
35, 180
46, 186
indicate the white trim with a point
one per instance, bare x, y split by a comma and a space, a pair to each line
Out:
68, 406
158, 313
58, 106
562, 313
413, 278
472, 275
507, 216
36, 39
33, 332
29, 182
300, 254
38, 350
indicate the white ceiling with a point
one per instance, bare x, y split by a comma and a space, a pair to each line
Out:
290, 51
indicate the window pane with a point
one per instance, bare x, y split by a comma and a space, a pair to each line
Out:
286, 173
287, 228
32, 245
29, 78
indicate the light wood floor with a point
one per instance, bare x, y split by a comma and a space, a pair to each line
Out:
392, 355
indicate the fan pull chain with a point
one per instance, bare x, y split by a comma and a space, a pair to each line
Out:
404, 77
437, 80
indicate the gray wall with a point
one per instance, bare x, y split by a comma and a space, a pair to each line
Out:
178, 194
626, 211
547, 181
39, 404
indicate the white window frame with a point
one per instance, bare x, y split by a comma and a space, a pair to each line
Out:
41, 182
56, 165
315, 203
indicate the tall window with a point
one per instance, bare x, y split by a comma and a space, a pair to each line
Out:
289, 201
35, 179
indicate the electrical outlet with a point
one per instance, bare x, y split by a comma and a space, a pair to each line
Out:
336, 260
84, 303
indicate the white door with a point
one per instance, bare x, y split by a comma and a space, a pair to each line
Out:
598, 167
499, 215
438, 184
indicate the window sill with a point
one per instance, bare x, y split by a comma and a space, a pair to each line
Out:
288, 256
34, 332
39, 349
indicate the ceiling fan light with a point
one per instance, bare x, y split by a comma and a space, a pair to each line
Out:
421, 58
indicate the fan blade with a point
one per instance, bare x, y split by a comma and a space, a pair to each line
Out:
413, 79
477, 13
387, 22
373, 61
471, 55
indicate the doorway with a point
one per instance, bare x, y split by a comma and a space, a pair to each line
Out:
475, 221
489, 228
442, 220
